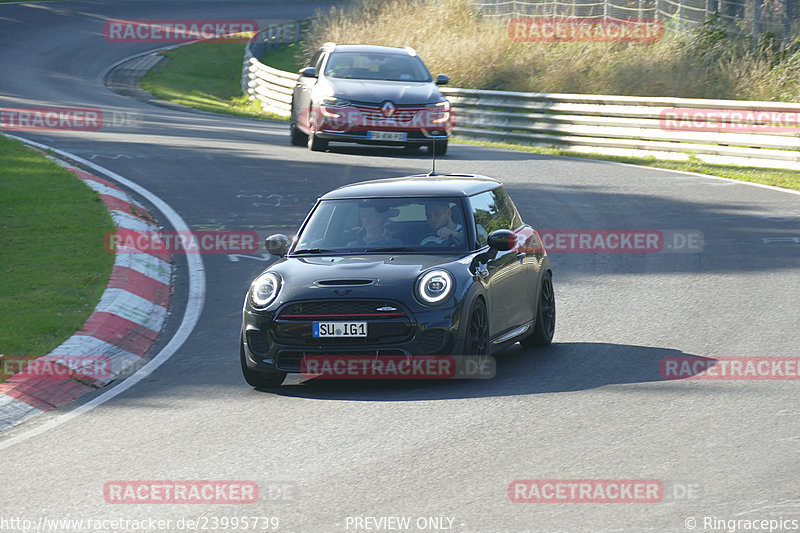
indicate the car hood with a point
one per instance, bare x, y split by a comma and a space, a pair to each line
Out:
389, 276
377, 91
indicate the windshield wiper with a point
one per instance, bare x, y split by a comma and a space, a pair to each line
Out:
312, 251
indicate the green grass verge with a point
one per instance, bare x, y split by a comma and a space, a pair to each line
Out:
53, 268
204, 76
789, 179
289, 58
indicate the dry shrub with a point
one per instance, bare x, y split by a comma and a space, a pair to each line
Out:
453, 39
447, 35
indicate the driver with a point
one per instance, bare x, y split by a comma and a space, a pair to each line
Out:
394, 69
445, 231
339, 66
375, 227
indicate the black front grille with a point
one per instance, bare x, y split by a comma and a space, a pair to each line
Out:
294, 324
340, 309
378, 332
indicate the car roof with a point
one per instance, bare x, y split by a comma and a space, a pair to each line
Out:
373, 48
424, 185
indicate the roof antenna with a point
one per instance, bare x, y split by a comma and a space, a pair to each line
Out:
433, 153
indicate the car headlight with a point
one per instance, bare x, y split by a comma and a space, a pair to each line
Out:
264, 290
335, 102
444, 109
434, 286
332, 101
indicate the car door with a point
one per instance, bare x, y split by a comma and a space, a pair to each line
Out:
506, 291
529, 252
301, 95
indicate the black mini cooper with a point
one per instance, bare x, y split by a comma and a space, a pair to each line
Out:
420, 266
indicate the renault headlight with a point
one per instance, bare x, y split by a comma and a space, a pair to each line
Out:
442, 108
335, 102
332, 101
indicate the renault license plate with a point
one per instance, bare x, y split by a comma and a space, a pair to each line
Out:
398, 136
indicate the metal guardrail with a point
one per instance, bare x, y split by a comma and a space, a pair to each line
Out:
271, 86
614, 125
625, 125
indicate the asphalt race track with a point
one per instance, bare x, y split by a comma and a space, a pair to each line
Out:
591, 406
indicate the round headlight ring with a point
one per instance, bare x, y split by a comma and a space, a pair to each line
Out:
435, 286
264, 290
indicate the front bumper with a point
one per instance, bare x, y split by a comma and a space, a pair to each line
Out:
420, 138
278, 340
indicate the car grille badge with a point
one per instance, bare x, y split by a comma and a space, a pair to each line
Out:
386, 308
387, 109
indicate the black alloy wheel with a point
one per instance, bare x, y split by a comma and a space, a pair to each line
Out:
478, 331
545, 325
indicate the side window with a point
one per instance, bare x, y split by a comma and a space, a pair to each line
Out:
317, 64
315, 59
491, 212
507, 207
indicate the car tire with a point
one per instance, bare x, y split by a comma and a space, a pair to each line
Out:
315, 144
259, 380
298, 138
545, 326
477, 341
440, 148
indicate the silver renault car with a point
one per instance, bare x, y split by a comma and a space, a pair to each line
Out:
371, 95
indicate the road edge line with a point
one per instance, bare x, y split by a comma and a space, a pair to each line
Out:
194, 303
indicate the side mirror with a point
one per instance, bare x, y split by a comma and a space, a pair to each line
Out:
308, 72
277, 244
502, 240
442, 79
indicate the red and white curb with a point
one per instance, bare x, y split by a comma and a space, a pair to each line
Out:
124, 326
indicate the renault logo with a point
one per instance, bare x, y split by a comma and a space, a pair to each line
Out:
388, 109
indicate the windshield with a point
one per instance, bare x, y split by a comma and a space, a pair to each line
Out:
376, 66
384, 225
